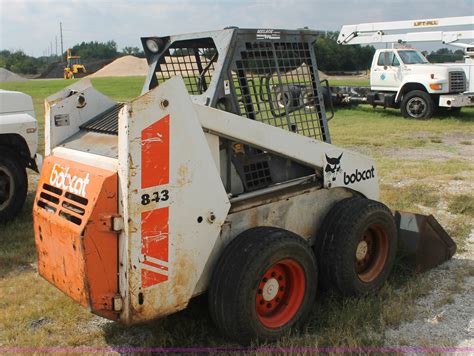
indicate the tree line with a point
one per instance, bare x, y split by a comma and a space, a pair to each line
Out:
329, 55
19, 62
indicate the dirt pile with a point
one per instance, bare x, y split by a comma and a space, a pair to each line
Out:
126, 66
7, 76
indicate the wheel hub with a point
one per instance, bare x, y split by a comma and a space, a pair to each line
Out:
280, 293
270, 289
416, 107
362, 249
371, 253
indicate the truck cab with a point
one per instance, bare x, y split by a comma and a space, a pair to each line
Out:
18, 146
406, 78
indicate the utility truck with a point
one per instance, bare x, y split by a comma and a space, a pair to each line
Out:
401, 77
220, 178
18, 146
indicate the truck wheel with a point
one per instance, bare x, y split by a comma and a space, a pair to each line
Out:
357, 246
13, 185
263, 285
417, 104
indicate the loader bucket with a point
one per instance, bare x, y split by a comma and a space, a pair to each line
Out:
422, 241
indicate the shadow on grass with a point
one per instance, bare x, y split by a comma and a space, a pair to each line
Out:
191, 327
465, 115
17, 245
334, 321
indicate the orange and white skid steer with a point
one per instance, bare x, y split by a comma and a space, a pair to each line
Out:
220, 178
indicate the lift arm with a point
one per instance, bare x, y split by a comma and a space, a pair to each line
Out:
384, 32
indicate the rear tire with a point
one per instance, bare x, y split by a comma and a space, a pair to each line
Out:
13, 185
263, 285
417, 104
356, 246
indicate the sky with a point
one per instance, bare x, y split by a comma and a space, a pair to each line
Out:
33, 25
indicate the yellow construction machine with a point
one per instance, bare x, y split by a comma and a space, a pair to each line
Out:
74, 67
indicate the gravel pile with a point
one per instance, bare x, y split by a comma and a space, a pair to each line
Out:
126, 66
7, 76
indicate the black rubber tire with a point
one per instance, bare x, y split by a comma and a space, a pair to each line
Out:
238, 272
338, 238
424, 98
12, 166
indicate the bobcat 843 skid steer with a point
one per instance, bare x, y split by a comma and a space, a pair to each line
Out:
220, 178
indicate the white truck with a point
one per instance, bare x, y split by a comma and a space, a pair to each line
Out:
403, 78
18, 146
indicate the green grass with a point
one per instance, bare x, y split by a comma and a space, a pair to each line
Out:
462, 204
120, 88
34, 313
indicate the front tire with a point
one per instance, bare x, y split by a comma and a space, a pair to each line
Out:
357, 246
417, 104
13, 185
263, 285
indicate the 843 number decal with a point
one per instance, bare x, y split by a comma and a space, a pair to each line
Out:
155, 196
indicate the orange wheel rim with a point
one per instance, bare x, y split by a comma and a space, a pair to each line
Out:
371, 253
280, 293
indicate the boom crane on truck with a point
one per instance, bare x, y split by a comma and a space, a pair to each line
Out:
378, 32
403, 77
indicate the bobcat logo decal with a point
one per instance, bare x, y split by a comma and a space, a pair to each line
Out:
333, 167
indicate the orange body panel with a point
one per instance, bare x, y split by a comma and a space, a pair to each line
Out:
77, 249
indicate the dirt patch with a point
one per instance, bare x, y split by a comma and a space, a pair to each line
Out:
7, 76
445, 317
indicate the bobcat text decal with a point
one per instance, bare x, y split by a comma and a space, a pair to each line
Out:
61, 178
357, 176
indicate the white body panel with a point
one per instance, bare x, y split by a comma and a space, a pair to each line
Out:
296, 147
196, 202
468, 68
17, 116
66, 105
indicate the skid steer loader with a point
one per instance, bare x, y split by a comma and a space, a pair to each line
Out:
221, 178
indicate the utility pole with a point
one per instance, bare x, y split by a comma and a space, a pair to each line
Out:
56, 41
61, 33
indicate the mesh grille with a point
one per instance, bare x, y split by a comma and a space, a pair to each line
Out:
193, 60
457, 82
275, 83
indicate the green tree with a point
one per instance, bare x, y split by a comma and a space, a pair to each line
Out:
133, 51
443, 55
96, 50
332, 56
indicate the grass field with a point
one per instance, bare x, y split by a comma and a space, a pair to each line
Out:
425, 166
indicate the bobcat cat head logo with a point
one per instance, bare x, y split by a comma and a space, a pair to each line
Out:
333, 167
